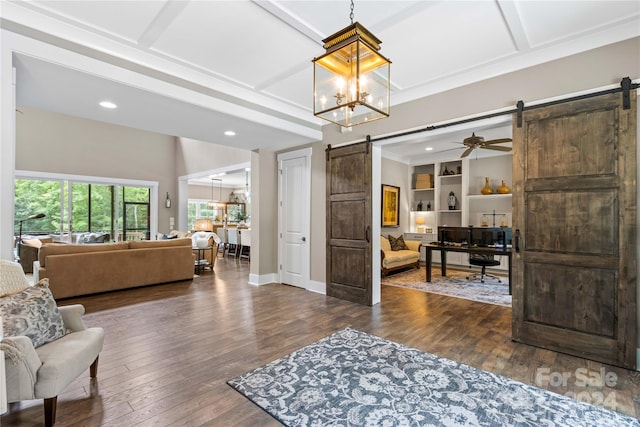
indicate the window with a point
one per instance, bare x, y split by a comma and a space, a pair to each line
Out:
203, 209
72, 207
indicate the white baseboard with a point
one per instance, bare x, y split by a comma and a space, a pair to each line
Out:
264, 279
318, 287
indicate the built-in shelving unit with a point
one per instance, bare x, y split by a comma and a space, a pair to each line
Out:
488, 209
471, 206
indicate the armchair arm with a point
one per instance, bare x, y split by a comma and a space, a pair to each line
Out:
21, 366
413, 245
72, 317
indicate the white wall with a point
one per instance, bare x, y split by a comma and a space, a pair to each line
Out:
396, 174
193, 156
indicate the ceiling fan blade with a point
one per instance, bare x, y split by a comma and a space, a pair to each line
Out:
498, 148
497, 141
467, 152
449, 149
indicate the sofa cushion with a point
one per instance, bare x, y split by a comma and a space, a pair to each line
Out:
32, 313
384, 244
63, 249
399, 258
92, 238
65, 360
180, 234
397, 243
145, 244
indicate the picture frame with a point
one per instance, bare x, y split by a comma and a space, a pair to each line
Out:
390, 206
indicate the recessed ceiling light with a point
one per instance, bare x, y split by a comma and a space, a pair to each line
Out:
229, 133
108, 104
429, 148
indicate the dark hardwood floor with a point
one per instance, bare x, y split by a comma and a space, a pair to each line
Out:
169, 349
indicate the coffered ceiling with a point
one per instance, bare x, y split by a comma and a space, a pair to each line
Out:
198, 68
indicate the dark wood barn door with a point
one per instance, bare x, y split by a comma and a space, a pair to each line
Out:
349, 223
574, 209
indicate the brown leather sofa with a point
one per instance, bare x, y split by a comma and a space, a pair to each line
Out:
75, 270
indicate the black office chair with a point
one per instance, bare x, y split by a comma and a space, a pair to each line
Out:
483, 261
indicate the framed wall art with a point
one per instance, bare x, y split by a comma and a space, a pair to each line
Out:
390, 206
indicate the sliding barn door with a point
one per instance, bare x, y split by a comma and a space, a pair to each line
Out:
349, 223
574, 222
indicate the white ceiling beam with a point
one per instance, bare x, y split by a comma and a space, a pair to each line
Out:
292, 20
512, 20
163, 19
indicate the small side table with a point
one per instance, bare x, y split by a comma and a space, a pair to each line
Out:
201, 261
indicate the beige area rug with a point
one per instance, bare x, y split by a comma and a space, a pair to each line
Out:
455, 285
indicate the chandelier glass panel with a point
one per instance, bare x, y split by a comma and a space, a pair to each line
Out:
351, 80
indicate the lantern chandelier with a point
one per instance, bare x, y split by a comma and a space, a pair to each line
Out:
351, 80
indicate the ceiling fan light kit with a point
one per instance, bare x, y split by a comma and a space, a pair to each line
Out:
351, 80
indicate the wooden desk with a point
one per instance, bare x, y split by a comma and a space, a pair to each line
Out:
476, 250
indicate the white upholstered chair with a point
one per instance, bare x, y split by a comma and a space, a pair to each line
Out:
232, 242
43, 372
245, 244
222, 233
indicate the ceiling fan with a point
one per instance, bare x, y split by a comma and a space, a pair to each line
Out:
474, 142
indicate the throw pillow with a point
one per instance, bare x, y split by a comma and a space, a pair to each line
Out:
32, 313
397, 243
36, 243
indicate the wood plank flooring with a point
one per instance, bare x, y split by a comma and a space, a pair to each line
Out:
170, 348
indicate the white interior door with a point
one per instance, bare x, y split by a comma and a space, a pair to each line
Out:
294, 217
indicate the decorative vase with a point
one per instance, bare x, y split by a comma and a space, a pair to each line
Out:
486, 189
503, 189
419, 208
201, 240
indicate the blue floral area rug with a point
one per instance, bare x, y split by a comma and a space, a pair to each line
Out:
455, 285
352, 378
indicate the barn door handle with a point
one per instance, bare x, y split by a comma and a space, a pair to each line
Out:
367, 234
517, 240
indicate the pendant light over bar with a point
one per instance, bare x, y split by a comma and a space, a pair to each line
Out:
351, 80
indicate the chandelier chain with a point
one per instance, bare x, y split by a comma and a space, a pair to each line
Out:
351, 14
